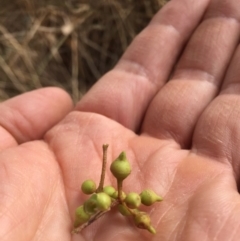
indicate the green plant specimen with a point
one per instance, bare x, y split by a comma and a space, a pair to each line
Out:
103, 199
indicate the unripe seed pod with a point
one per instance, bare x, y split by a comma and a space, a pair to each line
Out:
120, 168
109, 190
143, 221
115, 195
133, 200
123, 210
88, 187
148, 197
103, 201
90, 205
80, 216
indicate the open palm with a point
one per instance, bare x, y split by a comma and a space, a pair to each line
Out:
181, 136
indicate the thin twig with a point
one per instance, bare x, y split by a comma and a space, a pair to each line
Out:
75, 71
11, 75
95, 217
104, 163
120, 193
22, 51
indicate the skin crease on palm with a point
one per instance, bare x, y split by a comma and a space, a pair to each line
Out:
181, 135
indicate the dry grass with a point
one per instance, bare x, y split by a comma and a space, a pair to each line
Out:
68, 43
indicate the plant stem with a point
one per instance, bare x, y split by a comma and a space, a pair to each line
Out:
94, 218
104, 163
120, 195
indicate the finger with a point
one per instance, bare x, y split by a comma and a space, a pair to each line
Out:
32, 195
176, 108
29, 116
125, 92
197, 218
217, 133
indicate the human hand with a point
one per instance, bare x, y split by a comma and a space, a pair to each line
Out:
185, 149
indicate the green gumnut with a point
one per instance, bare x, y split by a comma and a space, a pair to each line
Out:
109, 190
88, 187
143, 221
115, 195
124, 210
133, 200
81, 216
103, 201
120, 168
90, 205
148, 197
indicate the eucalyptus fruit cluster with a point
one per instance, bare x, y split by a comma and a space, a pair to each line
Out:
104, 198
96, 203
